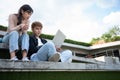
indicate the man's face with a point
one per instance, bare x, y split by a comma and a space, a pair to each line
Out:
37, 31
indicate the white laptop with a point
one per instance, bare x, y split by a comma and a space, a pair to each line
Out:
59, 39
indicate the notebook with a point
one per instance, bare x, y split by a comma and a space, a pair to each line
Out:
59, 39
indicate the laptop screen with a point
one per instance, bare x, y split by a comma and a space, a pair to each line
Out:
59, 39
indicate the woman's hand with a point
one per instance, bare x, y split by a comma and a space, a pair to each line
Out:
25, 26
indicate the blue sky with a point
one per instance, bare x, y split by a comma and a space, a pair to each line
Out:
79, 20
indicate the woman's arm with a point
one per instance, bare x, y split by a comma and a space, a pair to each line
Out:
26, 26
12, 23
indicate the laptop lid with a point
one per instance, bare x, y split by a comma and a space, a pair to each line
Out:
59, 39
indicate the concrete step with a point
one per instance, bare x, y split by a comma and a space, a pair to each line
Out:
8, 65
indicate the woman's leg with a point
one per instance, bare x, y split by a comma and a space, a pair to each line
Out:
6, 39
46, 51
24, 44
12, 39
66, 56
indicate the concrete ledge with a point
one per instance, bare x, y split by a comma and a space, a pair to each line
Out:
2, 32
12, 66
3, 46
86, 60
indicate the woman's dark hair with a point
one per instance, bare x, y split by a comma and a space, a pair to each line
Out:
26, 8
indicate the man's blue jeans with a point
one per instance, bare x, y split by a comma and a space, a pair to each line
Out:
48, 50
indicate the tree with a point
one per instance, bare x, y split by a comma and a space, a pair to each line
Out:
94, 40
110, 36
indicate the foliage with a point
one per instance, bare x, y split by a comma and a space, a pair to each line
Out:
46, 36
116, 38
110, 36
3, 28
95, 40
77, 42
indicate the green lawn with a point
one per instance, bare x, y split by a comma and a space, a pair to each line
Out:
80, 75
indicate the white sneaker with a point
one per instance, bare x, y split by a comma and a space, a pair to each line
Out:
14, 59
25, 59
55, 57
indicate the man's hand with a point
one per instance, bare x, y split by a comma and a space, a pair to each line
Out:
58, 49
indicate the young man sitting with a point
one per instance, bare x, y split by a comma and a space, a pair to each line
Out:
42, 50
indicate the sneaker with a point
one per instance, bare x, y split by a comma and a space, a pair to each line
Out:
55, 57
14, 59
25, 59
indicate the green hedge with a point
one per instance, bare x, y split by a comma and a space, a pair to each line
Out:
47, 36
3, 28
77, 42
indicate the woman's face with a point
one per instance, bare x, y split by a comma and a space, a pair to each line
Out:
26, 15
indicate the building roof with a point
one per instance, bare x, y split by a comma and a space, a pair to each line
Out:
104, 45
109, 44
